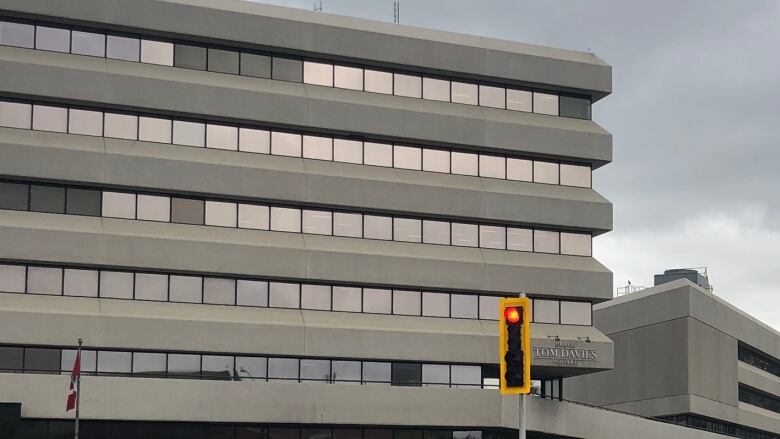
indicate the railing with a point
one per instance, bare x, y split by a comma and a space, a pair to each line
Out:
628, 289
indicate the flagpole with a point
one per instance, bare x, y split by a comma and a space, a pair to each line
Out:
78, 394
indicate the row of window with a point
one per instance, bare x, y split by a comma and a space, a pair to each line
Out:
128, 285
758, 398
220, 136
718, 426
185, 210
286, 68
756, 358
251, 368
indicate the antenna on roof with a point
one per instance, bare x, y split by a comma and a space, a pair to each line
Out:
397, 11
318, 6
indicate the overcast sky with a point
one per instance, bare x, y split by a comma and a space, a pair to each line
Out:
695, 118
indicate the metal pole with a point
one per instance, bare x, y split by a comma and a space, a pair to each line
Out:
522, 425
78, 392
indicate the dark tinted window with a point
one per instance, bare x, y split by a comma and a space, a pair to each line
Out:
243, 432
47, 199
14, 196
10, 358
315, 433
223, 61
83, 202
42, 359
437, 434
283, 433
258, 66
189, 57
407, 374
187, 211
371, 433
286, 69
408, 434
574, 107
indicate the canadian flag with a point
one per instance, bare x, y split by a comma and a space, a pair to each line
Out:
73, 393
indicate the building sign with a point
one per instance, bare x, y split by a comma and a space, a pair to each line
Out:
564, 353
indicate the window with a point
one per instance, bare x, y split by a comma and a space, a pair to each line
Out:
467, 434
88, 43
11, 358
315, 297
464, 306
251, 216
406, 302
251, 140
348, 151
315, 433
577, 244
464, 163
183, 365
407, 85
217, 367
407, 374
15, 115
464, 93
121, 126
116, 284
466, 376
17, 34
285, 69
46, 118
407, 230
80, 282
284, 219
50, 199
436, 89
284, 295
219, 291
494, 97
436, 304
110, 362
286, 144
376, 372
519, 239
52, 38
88, 123
578, 108
348, 224
320, 148
42, 359
575, 313
14, 196
252, 367
518, 100
149, 364
223, 61
88, 360
156, 52
316, 370
118, 205
127, 49
258, 66
221, 214
377, 301
464, 235
346, 371
348, 77
151, 286
152, 129
546, 242
488, 307
318, 222
575, 175
378, 154
407, 157
378, 227
12, 278
222, 137
283, 433
282, 369
372, 433
378, 82
545, 172
546, 311
492, 166
436, 160
186, 289
251, 293
189, 57
519, 169
436, 375
318, 73
83, 202
187, 211
492, 237
347, 299
189, 133
546, 104
436, 232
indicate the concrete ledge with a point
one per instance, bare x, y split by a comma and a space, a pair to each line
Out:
758, 379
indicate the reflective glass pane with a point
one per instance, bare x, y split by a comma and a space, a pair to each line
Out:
252, 216
488, 307
83, 202
219, 291
464, 163
377, 301
436, 232
575, 244
219, 213
465, 235
284, 295
546, 172
466, 376
116, 284
157, 52
318, 222
314, 433
15, 115
407, 230
252, 140
519, 239
436, 304
152, 129
258, 66
251, 367
222, 137
121, 126
46, 118
436, 374
571, 106
114, 362
378, 154
124, 48
377, 227
436, 160
217, 367
150, 286
348, 151
406, 374
223, 61
545, 241
464, 93
348, 77
315, 370
545, 104
11, 358
575, 313
88, 360
52, 38
518, 100
88, 123
436, 89
189, 133
492, 237
464, 306
378, 82
519, 169
348, 224
14, 196
283, 433
42, 359
318, 73
189, 57
251, 293
285, 69
546, 311
80, 282
407, 85
320, 148
575, 175
286, 144
373, 433
187, 211
88, 43
149, 364
183, 365
44, 280
118, 205
315, 297
17, 34
346, 371
376, 372
407, 157
284, 219
283, 368
12, 278
186, 289
494, 97
49, 199
467, 434
492, 166
347, 299
407, 302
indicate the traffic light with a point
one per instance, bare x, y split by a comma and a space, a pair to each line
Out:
515, 345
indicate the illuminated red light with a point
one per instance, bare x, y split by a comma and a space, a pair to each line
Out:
511, 314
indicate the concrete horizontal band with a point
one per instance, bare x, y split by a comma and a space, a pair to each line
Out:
339, 38
179, 169
177, 247
189, 93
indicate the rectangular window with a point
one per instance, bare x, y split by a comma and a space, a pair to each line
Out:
252, 140
252, 293
378, 154
348, 371
52, 38
519, 239
15, 115
546, 311
218, 367
465, 235
258, 66
494, 97
319, 148
11, 358
189, 57
153, 129
118, 205
348, 151
545, 104
110, 362
317, 222
376, 372
578, 244
436, 160
492, 237
347, 299
282, 369
13, 278
436, 375
488, 307
17, 34
436, 232
546, 172
50, 199
464, 163
578, 108
252, 367
150, 286
189, 133
116, 284
576, 313
407, 85
83, 202
223, 61
221, 214
378, 82
128, 49
464, 306
88, 123
377, 227
377, 301
187, 211
287, 144
252, 216
464, 93
219, 291
546, 241
575, 175
436, 89
121, 126
88, 360
519, 169
183, 366
42, 359
407, 302
156, 52
88, 43
149, 364
466, 376
407, 374
187, 289
407, 157
492, 166
284, 219
318, 73
348, 224
286, 69
348, 77
315, 370
436, 304
284, 295
315, 297
518, 100
14, 196
80, 282
46, 118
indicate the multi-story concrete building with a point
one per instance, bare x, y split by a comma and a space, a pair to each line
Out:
242, 209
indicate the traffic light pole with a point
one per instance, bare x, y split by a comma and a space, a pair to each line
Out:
522, 422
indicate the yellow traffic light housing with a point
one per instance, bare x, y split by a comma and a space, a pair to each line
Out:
514, 334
